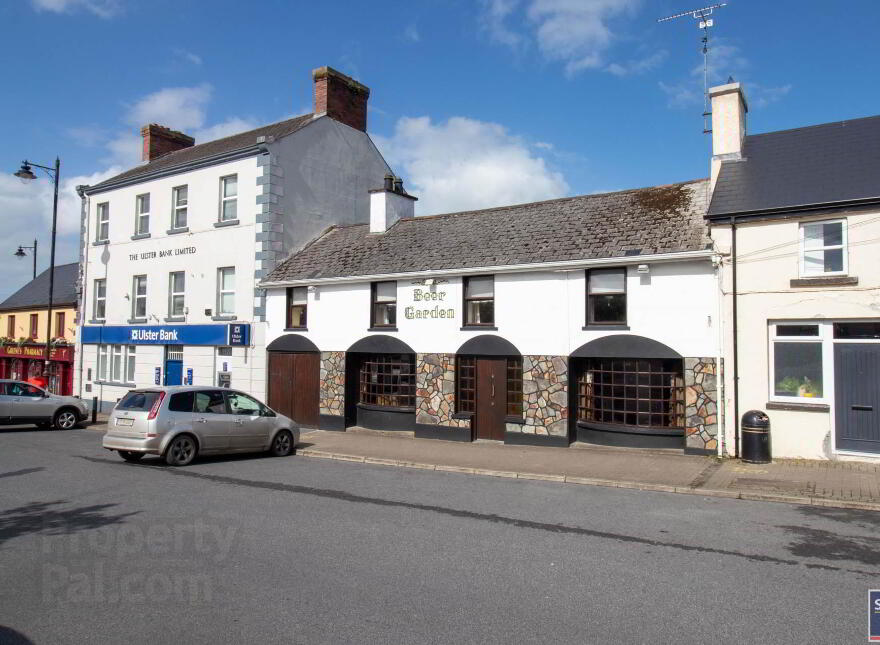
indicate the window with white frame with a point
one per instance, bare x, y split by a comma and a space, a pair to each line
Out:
142, 214
139, 297
823, 248
179, 203
100, 309
797, 370
102, 230
129, 363
228, 198
176, 282
102, 362
226, 291
116, 363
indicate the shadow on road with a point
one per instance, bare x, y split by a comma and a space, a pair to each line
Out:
46, 518
827, 545
17, 473
9, 636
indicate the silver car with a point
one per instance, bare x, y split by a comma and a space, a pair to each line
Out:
183, 421
24, 403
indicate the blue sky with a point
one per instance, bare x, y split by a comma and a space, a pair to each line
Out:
475, 103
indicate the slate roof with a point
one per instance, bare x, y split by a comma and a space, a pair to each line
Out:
211, 148
820, 164
664, 219
36, 292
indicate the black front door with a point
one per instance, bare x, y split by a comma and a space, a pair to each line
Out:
857, 396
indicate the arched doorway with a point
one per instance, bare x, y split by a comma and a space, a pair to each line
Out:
293, 384
628, 390
488, 385
380, 384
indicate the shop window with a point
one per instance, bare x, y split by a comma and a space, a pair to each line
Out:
139, 297
102, 230
100, 310
640, 393
35, 325
130, 363
514, 387
384, 304
797, 365
606, 296
479, 300
823, 248
142, 214
228, 198
10, 327
176, 286
226, 291
466, 380
179, 204
35, 369
388, 380
17, 370
297, 307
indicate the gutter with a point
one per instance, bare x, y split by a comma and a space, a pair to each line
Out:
510, 268
735, 341
793, 210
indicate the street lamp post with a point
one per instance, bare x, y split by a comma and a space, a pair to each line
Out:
20, 253
25, 173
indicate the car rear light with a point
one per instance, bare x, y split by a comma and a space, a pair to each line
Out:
156, 405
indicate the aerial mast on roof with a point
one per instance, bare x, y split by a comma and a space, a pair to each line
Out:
705, 23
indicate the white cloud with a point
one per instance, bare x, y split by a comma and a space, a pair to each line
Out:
87, 135
226, 128
494, 21
465, 164
101, 8
411, 33
682, 94
179, 108
188, 56
760, 96
639, 65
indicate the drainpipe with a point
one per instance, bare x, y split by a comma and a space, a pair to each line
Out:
735, 342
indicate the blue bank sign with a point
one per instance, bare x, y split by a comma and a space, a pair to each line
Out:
234, 334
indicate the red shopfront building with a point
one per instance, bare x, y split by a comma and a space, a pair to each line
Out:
25, 363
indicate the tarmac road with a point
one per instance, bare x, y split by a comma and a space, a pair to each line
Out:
261, 550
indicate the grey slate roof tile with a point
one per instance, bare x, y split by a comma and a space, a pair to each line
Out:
211, 148
821, 164
663, 219
36, 292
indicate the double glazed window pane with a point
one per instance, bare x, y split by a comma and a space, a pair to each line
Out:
385, 304
481, 312
140, 296
143, 214
129, 370
102, 362
797, 369
103, 222
827, 261
176, 304
823, 247
297, 307
226, 295
181, 199
116, 369
607, 296
100, 299
479, 294
229, 192
480, 287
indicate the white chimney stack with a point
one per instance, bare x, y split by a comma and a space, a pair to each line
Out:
389, 204
729, 110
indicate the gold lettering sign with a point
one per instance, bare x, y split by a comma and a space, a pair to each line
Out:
437, 311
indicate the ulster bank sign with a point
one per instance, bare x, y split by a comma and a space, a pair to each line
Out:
229, 334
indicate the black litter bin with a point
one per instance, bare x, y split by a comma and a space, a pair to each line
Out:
755, 433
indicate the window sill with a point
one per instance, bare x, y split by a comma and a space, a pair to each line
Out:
177, 231
115, 384
140, 236
605, 327
382, 329
296, 329
798, 407
101, 243
98, 322
479, 328
229, 222
223, 318
829, 281
174, 319
136, 321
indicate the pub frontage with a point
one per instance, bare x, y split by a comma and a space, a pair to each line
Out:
591, 319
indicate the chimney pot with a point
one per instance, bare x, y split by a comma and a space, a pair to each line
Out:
159, 141
398, 186
341, 97
389, 182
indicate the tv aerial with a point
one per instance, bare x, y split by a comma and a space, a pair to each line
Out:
705, 23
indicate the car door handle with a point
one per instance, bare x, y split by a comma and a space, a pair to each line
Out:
239, 422
866, 408
202, 420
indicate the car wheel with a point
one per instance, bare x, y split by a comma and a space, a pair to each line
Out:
282, 444
130, 456
181, 451
64, 420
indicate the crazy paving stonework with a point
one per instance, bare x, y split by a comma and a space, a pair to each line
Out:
435, 391
333, 383
545, 396
701, 401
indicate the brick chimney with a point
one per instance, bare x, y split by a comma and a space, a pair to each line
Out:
159, 140
340, 97
729, 109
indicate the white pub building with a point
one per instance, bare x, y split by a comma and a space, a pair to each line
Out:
172, 250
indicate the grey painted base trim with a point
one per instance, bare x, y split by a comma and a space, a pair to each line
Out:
141, 236
443, 433
382, 329
798, 407
385, 420
331, 422
229, 222
831, 281
136, 321
177, 231
478, 328
605, 328
629, 439
700, 451
521, 439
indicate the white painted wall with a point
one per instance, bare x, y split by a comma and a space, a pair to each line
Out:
768, 259
540, 312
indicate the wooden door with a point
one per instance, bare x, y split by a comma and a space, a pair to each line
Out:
280, 385
491, 398
306, 377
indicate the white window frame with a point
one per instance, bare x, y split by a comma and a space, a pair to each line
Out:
135, 297
102, 362
224, 199
130, 356
172, 294
221, 292
844, 246
100, 301
141, 216
823, 339
102, 217
177, 206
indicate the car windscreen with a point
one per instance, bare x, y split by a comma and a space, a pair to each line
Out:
138, 401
